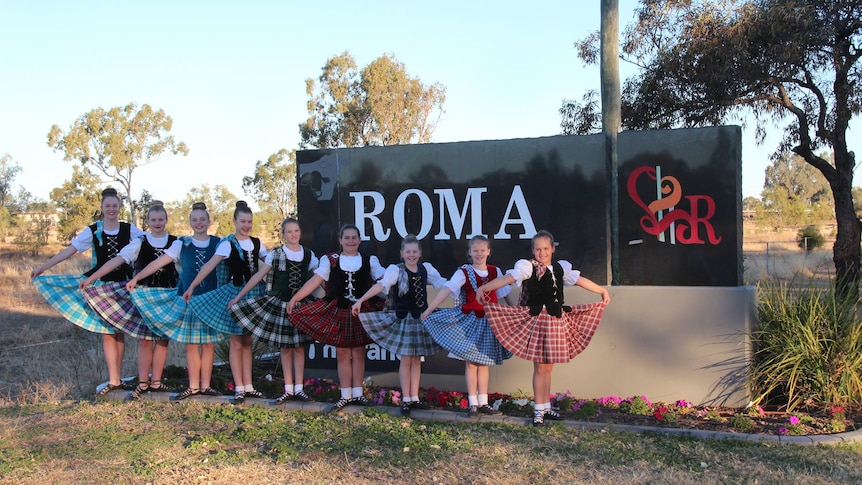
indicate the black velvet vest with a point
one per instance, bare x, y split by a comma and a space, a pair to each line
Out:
415, 301
164, 277
241, 267
538, 292
345, 286
108, 248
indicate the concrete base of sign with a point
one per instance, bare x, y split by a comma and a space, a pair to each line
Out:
665, 343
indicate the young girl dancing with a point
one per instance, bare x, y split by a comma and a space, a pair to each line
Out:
266, 317
105, 238
464, 330
330, 321
544, 330
242, 253
400, 330
165, 310
114, 304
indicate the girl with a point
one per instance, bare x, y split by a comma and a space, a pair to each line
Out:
544, 331
400, 331
266, 317
464, 330
242, 253
330, 321
165, 310
105, 237
113, 302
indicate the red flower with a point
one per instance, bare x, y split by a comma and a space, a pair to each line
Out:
230, 385
464, 403
659, 413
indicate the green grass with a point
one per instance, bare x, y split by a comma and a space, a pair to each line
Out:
153, 442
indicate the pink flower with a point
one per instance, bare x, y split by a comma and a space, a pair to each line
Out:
230, 385
395, 399
794, 420
782, 431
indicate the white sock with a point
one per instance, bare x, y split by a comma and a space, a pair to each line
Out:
249, 388
288, 388
345, 393
473, 400
414, 398
239, 389
483, 399
357, 391
297, 388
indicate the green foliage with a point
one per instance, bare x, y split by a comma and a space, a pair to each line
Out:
588, 409
808, 347
8, 171
636, 405
741, 422
273, 185
78, 201
220, 202
33, 232
706, 63
116, 142
810, 238
377, 105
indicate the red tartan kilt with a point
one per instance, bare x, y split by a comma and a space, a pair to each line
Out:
543, 338
323, 321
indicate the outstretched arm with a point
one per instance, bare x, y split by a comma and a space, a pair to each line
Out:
589, 285
493, 285
307, 289
106, 268
252, 282
57, 259
203, 273
441, 295
149, 269
374, 290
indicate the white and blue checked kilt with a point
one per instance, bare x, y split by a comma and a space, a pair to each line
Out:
63, 294
267, 319
401, 336
166, 311
113, 303
466, 336
211, 307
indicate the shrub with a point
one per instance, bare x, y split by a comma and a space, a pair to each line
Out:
807, 347
741, 422
635, 405
809, 238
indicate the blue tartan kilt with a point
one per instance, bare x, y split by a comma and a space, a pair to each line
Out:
166, 311
211, 307
466, 336
62, 293
267, 319
401, 336
113, 303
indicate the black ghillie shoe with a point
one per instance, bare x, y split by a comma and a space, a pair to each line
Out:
287, 396
189, 392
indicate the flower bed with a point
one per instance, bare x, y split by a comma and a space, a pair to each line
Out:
634, 410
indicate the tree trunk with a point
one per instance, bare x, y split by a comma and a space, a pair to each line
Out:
846, 254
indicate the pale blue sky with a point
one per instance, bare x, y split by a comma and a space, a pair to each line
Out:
232, 74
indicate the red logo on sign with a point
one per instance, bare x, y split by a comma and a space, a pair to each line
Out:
663, 214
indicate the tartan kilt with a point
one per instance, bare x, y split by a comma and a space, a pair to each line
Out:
164, 310
543, 338
266, 318
64, 296
113, 302
323, 321
401, 336
211, 307
466, 336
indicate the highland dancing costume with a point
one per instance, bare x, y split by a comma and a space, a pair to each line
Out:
266, 317
241, 259
399, 329
463, 330
329, 320
542, 329
164, 309
112, 300
62, 292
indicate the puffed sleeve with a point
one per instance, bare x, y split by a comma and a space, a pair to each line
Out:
376, 270
570, 276
83, 240
223, 249
175, 248
267, 260
135, 231
523, 270
456, 281
313, 263
434, 278
390, 277
263, 253
130, 251
323, 269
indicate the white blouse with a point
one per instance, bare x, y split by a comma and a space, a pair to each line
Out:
350, 264
84, 239
523, 270
390, 276
295, 256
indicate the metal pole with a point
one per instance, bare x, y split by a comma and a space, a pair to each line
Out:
611, 120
